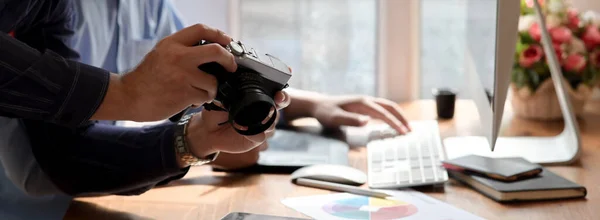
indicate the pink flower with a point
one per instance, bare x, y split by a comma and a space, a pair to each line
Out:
575, 62
535, 32
591, 36
530, 3
531, 55
573, 17
560, 34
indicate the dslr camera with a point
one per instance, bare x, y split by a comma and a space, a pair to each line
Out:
247, 94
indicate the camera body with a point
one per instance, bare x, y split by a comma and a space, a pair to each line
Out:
247, 94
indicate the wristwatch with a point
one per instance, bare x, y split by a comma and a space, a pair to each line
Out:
182, 147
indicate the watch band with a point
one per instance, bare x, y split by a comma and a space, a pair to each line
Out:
182, 147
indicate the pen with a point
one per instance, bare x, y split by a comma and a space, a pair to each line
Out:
341, 188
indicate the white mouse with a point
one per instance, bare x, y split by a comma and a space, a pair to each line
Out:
331, 173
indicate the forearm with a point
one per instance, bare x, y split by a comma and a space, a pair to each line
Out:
302, 104
47, 87
104, 159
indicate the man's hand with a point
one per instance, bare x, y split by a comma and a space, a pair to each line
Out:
228, 161
352, 110
205, 136
168, 79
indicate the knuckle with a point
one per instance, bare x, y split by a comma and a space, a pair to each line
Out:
161, 43
364, 99
201, 28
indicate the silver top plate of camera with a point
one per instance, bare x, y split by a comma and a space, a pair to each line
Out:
268, 66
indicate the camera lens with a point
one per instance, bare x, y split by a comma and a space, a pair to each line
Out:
252, 108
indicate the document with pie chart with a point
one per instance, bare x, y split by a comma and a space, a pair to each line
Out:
405, 205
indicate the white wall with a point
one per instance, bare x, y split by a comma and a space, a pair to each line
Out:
213, 13
584, 5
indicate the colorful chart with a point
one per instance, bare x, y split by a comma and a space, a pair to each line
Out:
361, 207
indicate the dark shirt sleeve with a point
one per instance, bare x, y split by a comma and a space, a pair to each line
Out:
47, 87
39, 77
102, 159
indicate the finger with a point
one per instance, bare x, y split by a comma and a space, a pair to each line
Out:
212, 53
376, 111
204, 84
192, 35
264, 146
198, 96
271, 129
259, 138
282, 100
395, 110
345, 118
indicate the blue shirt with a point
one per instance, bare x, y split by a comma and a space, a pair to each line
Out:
116, 34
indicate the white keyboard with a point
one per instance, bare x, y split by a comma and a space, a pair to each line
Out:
408, 160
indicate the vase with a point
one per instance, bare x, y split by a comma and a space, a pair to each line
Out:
542, 104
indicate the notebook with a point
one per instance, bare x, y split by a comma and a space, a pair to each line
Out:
545, 186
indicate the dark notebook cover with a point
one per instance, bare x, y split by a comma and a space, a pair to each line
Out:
547, 185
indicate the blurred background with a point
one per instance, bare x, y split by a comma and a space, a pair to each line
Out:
333, 44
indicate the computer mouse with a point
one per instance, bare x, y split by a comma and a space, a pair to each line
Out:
331, 173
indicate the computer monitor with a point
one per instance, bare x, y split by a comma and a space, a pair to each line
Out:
491, 36
488, 80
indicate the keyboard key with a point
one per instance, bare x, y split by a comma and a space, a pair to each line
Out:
403, 176
376, 156
385, 178
415, 163
427, 162
413, 151
416, 175
390, 155
401, 153
425, 153
428, 173
389, 166
441, 173
375, 167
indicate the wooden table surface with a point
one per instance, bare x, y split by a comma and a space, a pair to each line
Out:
204, 194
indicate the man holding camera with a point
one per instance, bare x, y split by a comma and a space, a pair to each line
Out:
50, 146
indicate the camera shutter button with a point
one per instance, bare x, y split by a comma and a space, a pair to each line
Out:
236, 49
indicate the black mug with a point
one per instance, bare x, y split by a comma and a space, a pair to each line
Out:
445, 100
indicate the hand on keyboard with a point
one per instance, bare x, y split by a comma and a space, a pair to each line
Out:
348, 110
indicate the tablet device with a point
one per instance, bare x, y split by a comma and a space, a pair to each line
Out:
290, 150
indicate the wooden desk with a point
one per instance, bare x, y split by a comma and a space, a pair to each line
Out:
203, 194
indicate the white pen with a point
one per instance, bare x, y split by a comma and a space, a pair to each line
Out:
341, 188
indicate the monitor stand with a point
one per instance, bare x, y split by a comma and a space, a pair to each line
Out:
564, 148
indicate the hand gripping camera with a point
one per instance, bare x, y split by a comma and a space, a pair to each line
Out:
247, 94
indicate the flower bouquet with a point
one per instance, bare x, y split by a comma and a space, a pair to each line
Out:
576, 41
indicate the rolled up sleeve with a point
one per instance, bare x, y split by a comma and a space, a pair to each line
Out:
47, 87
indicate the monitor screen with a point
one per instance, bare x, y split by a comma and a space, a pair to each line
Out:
481, 42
